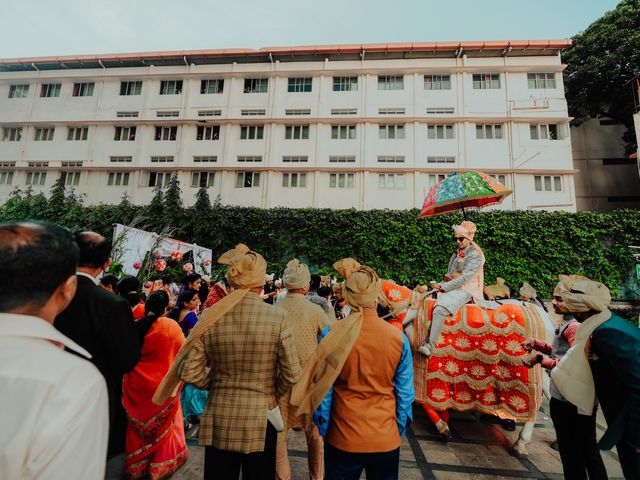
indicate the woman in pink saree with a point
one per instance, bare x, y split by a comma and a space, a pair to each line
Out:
156, 446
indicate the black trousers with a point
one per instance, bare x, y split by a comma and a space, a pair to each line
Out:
341, 465
225, 465
577, 442
629, 459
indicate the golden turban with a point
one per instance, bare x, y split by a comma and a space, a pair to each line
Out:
362, 287
499, 290
346, 267
296, 275
245, 268
580, 294
528, 292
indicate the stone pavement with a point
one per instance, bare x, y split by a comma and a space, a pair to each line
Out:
477, 451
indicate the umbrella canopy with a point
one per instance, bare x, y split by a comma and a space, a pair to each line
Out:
463, 190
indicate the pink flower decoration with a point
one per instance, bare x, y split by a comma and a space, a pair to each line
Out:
137, 265
160, 265
206, 262
148, 284
176, 256
187, 267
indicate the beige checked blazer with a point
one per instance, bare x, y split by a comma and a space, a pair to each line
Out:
253, 362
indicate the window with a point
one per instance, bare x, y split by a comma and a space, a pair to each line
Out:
125, 134
292, 180
342, 159
168, 114
251, 132
390, 82
71, 164
38, 164
120, 159
441, 159
437, 82
202, 179
344, 111
127, 114
208, 133
11, 134
77, 133
211, 86
170, 87
547, 183
249, 158
209, 113
343, 132
162, 158
296, 132
118, 179
440, 111
298, 111
6, 178
36, 178
50, 90
489, 81
205, 158
391, 131
159, 179
541, 80
70, 179
253, 111
488, 132
247, 179
391, 111
83, 89
7, 164
434, 179
544, 132
390, 158
500, 178
256, 85
44, 134
440, 132
19, 91
341, 180
131, 88
391, 181
295, 158
297, 85
166, 133
345, 84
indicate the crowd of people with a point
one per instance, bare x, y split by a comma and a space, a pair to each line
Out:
93, 366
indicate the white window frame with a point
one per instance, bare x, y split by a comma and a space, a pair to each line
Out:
256, 85
251, 132
36, 178
342, 159
390, 158
83, 89
441, 159
391, 181
6, 178
296, 132
212, 86
77, 133
131, 88
126, 133
167, 133
435, 178
19, 91
161, 179
208, 132
247, 179
295, 158
299, 84
486, 81
11, 134
343, 132
391, 132
548, 183
294, 180
171, 87
342, 180
50, 90
544, 131
345, 84
197, 179
249, 158
44, 134
117, 179
437, 82
541, 81
489, 131
391, 82
344, 111
70, 179
499, 177
120, 158
441, 132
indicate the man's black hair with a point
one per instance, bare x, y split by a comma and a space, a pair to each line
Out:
94, 249
35, 259
315, 282
110, 280
167, 279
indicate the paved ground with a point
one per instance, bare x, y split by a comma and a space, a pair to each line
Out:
476, 451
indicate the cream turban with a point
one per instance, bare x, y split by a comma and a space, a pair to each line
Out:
466, 229
346, 267
581, 294
362, 287
296, 275
245, 268
499, 290
527, 291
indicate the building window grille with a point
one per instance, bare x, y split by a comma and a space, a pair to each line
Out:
205, 158
162, 158
434, 179
342, 159
253, 112
391, 111
344, 111
299, 85
499, 177
295, 158
298, 111
440, 110
345, 84
249, 158
209, 113
390, 158
441, 159
168, 114
127, 114
120, 159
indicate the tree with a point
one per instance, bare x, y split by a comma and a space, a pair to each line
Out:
153, 213
173, 209
56, 203
600, 63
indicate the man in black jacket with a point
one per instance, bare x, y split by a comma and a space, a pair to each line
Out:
103, 324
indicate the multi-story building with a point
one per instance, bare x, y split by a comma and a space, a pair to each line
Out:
350, 126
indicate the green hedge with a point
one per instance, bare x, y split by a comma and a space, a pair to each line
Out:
519, 246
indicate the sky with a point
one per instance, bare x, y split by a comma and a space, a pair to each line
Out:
68, 27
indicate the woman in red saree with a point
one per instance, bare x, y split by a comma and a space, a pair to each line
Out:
156, 445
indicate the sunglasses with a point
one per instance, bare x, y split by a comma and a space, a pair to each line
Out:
459, 239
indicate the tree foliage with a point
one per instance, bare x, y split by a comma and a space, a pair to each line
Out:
600, 63
519, 246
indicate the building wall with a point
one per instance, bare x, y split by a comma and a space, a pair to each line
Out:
514, 106
606, 179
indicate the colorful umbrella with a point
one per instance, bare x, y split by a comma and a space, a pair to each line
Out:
463, 190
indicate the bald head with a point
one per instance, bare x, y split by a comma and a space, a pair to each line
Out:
35, 259
94, 249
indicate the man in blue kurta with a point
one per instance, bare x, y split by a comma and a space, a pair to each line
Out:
604, 362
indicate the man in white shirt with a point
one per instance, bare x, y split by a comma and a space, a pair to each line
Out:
53, 404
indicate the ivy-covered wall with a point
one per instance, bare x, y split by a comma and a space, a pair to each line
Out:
519, 246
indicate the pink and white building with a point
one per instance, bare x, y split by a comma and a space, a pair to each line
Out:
334, 126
